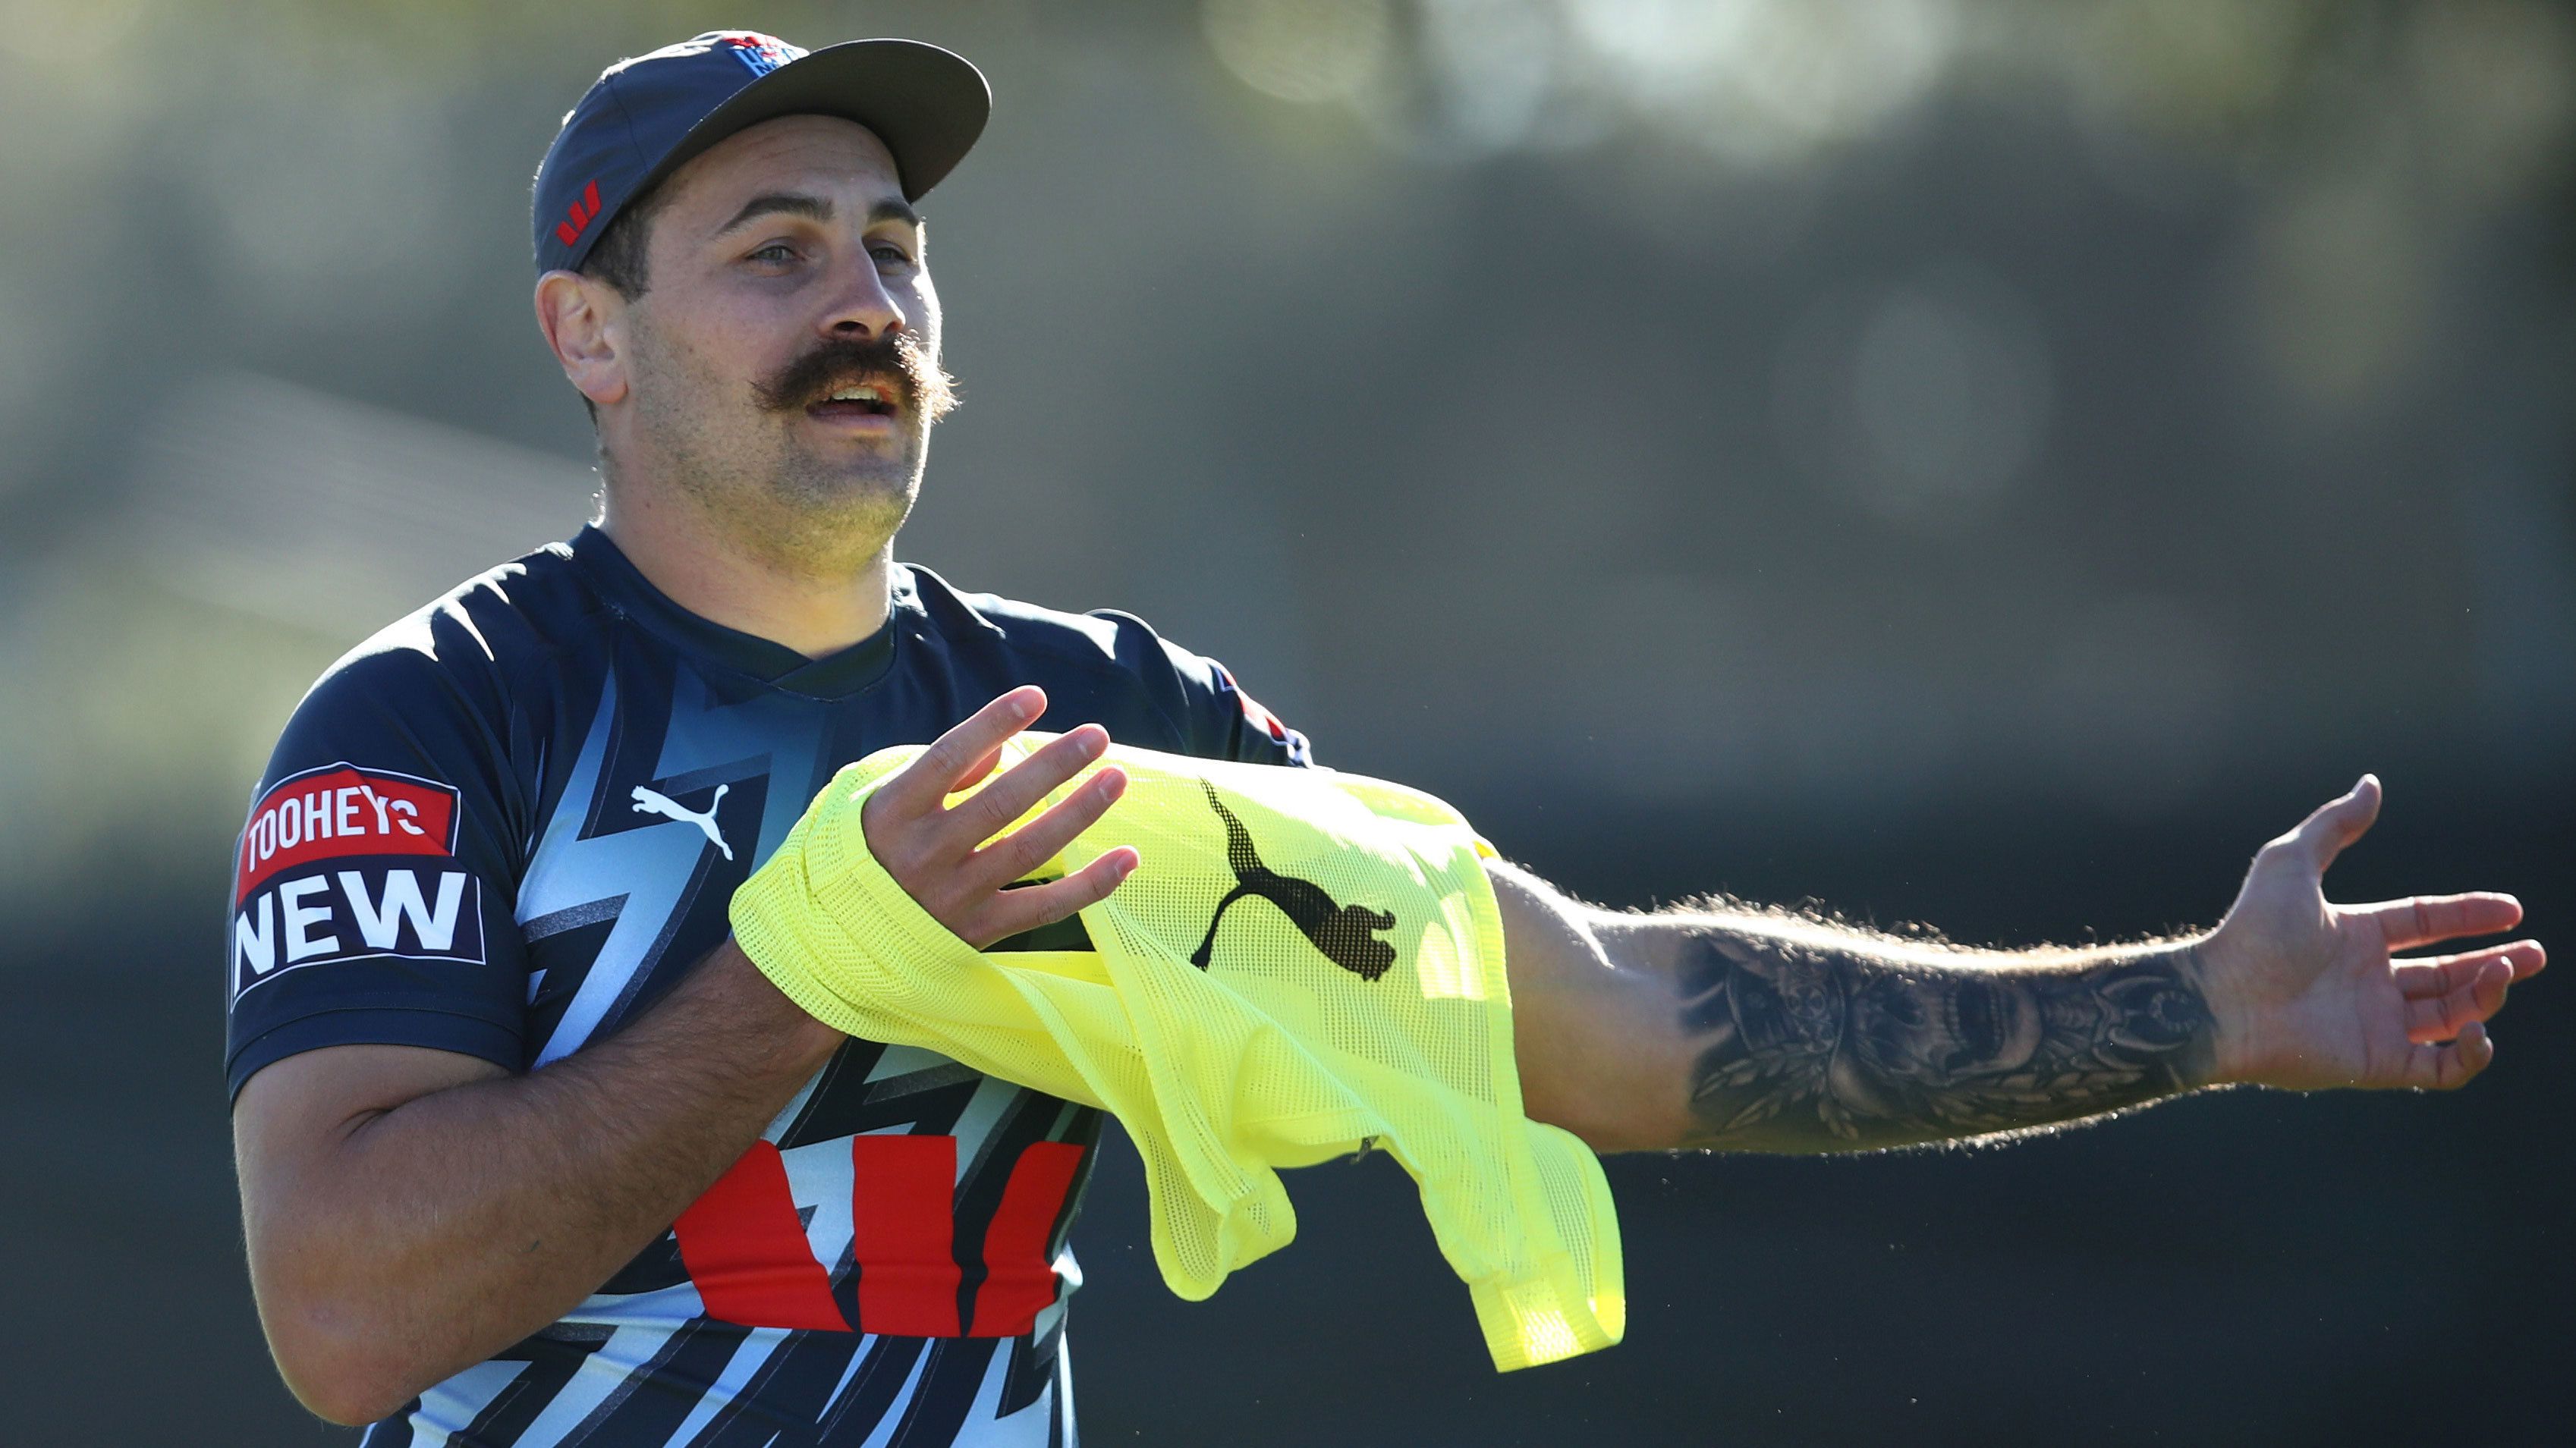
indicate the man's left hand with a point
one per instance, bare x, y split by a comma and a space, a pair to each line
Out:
2310, 994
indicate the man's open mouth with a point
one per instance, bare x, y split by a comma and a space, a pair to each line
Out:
859, 399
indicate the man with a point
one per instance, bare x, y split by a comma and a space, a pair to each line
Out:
530, 1154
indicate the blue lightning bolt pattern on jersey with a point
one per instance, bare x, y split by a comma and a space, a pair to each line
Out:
512, 821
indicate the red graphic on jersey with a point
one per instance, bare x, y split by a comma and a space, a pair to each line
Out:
746, 1250
745, 1247
901, 1226
582, 212
1019, 1281
342, 810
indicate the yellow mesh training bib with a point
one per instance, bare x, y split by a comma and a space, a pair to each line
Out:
1304, 963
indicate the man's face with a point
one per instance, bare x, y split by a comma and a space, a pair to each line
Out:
783, 361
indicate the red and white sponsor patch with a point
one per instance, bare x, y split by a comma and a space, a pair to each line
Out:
340, 810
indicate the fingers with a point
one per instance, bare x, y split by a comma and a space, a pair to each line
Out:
1029, 907
2334, 826
1019, 788
932, 848
1026, 848
2432, 975
952, 761
2449, 1067
2445, 994
979, 771
2429, 919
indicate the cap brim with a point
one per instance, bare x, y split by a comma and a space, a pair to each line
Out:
926, 104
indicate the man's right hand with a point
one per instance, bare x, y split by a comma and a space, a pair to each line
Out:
955, 861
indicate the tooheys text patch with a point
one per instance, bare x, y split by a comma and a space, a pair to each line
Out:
344, 863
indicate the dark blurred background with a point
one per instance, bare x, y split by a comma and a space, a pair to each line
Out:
1985, 462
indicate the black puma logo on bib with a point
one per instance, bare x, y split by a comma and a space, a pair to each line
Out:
1345, 934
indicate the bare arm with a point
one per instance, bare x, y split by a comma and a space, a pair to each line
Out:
411, 1212
1749, 1031
1805, 1038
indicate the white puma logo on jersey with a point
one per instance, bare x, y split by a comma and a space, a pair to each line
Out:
649, 801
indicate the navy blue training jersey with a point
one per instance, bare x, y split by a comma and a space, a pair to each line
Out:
512, 821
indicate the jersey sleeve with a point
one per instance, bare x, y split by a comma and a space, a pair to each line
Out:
374, 883
1217, 719
1237, 723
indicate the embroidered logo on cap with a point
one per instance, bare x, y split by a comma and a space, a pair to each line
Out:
583, 212
761, 54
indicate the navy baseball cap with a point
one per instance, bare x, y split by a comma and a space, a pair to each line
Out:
644, 118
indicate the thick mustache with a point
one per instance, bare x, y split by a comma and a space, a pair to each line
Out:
897, 358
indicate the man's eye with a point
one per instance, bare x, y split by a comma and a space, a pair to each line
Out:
890, 255
776, 251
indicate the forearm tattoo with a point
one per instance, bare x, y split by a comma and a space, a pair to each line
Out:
1807, 1048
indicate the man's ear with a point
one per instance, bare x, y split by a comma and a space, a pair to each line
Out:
584, 320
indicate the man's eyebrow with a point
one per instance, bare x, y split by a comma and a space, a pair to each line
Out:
773, 203
816, 208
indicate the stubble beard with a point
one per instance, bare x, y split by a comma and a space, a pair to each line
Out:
734, 454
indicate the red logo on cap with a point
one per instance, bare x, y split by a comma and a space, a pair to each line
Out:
582, 213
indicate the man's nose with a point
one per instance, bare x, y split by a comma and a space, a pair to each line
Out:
863, 310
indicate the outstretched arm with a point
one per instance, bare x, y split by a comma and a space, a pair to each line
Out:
1757, 1031
1754, 1031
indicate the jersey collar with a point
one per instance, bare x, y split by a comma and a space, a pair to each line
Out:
832, 676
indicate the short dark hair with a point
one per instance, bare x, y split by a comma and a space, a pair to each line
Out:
617, 258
